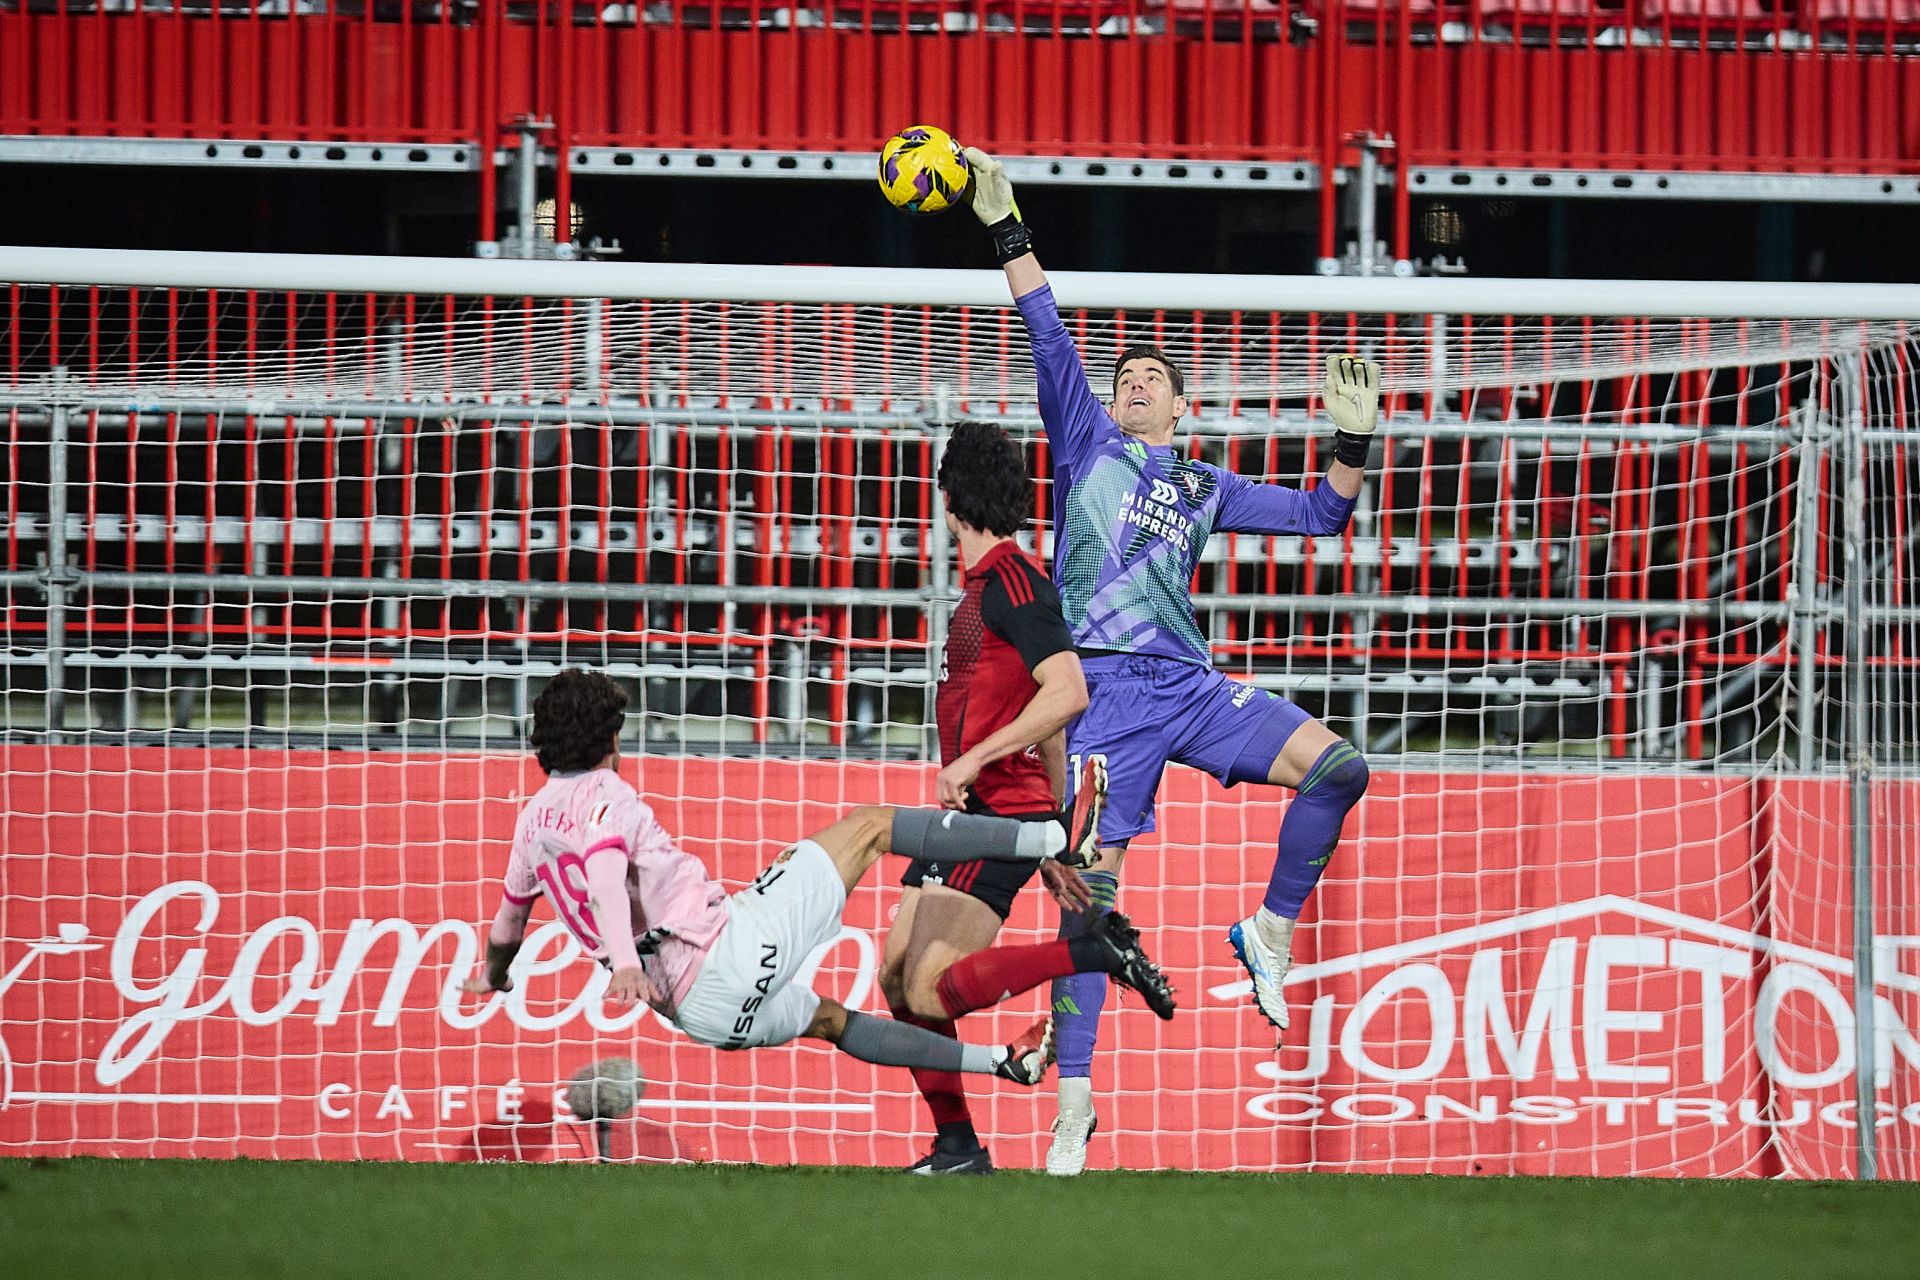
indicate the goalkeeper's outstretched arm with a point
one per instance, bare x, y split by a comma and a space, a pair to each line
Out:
1071, 413
993, 203
1352, 397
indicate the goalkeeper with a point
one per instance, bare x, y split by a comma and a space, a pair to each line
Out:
1131, 517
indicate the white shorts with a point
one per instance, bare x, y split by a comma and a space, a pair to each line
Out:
745, 996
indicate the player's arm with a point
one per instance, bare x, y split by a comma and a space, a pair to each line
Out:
613, 912
1053, 754
503, 944
1069, 410
1062, 881
1062, 695
1352, 397
1020, 605
991, 196
518, 889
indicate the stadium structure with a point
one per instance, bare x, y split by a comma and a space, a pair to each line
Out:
1624, 622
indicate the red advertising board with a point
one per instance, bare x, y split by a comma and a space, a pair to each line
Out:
228, 952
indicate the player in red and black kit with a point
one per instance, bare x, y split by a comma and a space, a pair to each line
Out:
1010, 681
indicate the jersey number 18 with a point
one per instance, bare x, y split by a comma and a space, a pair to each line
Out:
565, 877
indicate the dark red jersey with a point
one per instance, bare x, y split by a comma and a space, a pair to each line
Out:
1008, 622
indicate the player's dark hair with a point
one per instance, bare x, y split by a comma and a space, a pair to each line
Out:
577, 720
1147, 351
983, 476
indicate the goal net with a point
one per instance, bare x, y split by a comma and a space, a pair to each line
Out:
1622, 624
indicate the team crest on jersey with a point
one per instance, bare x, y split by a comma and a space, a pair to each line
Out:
786, 854
1195, 485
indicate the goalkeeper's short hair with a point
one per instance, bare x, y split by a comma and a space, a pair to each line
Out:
1148, 351
983, 476
577, 720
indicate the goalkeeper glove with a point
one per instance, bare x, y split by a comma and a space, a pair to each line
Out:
992, 198
1352, 394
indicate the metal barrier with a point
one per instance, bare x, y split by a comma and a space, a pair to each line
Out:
1279, 91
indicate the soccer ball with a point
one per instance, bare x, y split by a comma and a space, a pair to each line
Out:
923, 171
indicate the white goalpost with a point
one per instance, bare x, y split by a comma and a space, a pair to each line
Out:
1623, 625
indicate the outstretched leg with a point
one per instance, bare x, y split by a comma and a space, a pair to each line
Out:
858, 840
1109, 948
888, 1043
1330, 777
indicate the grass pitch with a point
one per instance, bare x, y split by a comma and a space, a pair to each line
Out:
73, 1218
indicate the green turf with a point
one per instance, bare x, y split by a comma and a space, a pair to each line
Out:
71, 1218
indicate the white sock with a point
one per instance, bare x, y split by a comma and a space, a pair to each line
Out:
1076, 1095
1276, 931
1040, 839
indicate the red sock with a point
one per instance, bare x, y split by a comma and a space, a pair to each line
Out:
998, 973
945, 1091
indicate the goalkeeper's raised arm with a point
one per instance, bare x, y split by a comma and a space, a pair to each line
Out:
1072, 415
1148, 390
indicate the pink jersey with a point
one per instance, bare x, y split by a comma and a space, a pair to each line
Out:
578, 814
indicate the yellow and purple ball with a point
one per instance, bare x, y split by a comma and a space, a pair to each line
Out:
922, 170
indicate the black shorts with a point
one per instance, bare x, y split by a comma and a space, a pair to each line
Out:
992, 881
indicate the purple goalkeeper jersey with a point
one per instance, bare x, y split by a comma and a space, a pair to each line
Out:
1130, 519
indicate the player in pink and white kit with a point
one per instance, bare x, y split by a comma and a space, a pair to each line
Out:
721, 967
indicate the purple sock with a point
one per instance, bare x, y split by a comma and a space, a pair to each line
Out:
1312, 826
1078, 998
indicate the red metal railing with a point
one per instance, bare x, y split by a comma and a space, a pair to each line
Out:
1777, 85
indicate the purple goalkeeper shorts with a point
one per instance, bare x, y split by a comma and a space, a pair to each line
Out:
1144, 711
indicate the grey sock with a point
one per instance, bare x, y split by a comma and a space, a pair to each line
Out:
887, 1043
946, 835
